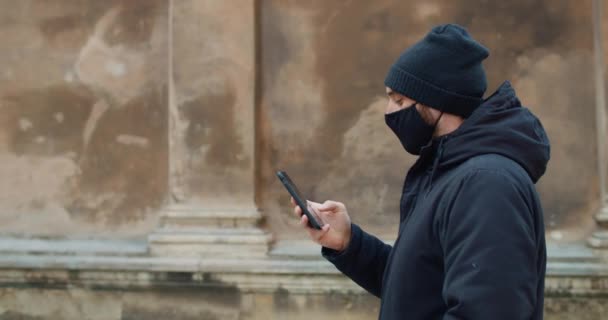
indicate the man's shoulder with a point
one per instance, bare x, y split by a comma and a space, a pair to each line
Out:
495, 164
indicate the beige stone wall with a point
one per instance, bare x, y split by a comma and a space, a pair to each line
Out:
112, 109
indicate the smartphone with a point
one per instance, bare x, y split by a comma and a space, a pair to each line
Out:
313, 220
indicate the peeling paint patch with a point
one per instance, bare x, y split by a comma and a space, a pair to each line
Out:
132, 140
32, 192
25, 124
131, 179
98, 110
556, 235
427, 10
36, 110
211, 128
69, 77
58, 117
115, 68
111, 63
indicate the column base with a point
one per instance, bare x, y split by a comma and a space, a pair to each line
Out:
599, 239
209, 232
230, 243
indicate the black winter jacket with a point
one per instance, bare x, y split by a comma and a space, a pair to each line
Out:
471, 242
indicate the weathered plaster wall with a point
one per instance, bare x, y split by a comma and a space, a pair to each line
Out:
83, 108
95, 138
321, 111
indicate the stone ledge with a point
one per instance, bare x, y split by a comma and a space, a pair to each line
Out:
10, 245
254, 280
144, 273
573, 270
219, 236
246, 275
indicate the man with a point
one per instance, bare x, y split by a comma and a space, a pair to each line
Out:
471, 242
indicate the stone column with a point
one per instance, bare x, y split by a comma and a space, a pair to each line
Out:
211, 211
599, 239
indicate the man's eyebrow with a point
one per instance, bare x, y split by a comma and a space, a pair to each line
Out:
393, 95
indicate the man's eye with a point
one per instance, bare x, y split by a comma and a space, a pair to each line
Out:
399, 102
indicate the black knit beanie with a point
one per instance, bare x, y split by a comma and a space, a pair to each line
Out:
442, 71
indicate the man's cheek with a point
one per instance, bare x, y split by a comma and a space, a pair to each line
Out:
391, 107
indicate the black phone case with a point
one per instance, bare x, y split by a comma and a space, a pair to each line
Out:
293, 190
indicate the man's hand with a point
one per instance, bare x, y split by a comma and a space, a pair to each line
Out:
335, 234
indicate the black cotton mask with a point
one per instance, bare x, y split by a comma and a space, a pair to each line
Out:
413, 132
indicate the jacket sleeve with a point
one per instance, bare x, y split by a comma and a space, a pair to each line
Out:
363, 260
490, 250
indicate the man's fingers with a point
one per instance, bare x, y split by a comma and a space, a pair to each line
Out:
293, 202
317, 235
313, 206
297, 211
329, 205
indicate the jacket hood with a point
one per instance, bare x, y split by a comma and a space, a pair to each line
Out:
500, 125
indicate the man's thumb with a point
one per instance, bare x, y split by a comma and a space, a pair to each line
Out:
328, 205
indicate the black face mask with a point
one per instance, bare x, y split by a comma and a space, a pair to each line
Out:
413, 132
